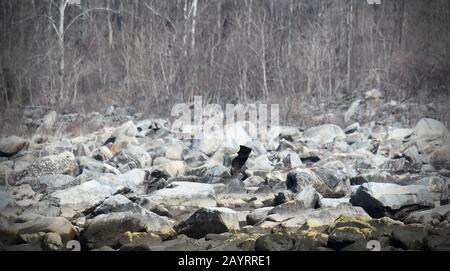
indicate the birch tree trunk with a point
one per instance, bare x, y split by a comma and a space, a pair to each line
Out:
185, 15
194, 18
62, 9
349, 43
110, 29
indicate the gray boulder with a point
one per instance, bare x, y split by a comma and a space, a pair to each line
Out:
430, 129
93, 166
437, 186
124, 131
309, 197
81, 197
440, 158
374, 177
131, 157
63, 163
401, 166
324, 134
311, 218
433, 216
57, 181
116, 203
329, 182
58, 225
327, 202
209, 220
8, 231
176, 150
382, 199
185, 194
12, 145
102, 154
257, 215
135, 179
107, 229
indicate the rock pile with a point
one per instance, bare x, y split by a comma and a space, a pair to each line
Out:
144, 185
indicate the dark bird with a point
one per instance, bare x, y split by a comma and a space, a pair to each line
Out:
7, 155
240, 160
110, 140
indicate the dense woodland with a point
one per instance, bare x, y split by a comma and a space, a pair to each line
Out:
82, 55
91, 157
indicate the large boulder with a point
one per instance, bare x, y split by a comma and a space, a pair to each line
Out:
437, 186
324, 134
330, 202
346, 231
260, 165
117, 203
286, 159
440, 158
400, 166
135, 179
127, 129
81, 197
253, 182
8, 231
399, 134
383, 199
410, 237
430, 129
174, 168
433, 216
58, 225
176, 150
102, 154
107, 229
257, 215
93, 166
63, 163
303, 240
309, 197
56, 182
311, 218
288, 209
209, 220
236, 136
374, 177
185, 194
329, 182
12, 145
131, 157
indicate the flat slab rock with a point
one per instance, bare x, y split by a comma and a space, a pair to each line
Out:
209, 220
107, 229
81, 197
383, 199
186, 194
313, 217
329, 182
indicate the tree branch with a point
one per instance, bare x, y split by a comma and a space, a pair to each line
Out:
84, 13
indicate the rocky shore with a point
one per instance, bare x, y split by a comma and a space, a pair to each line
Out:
141, 184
